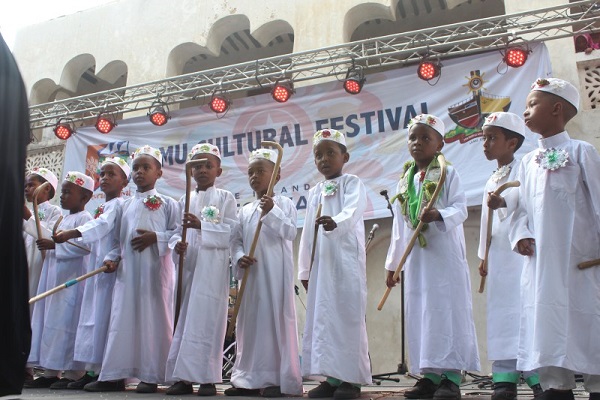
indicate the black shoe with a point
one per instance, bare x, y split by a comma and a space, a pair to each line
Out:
144, 387
28, 379
42, 382
423, 389
504, 391
271, 391
207, 389
105, 386
325, 389
61, 384
447, 390
552, 394
346, 391
537, 390
180, 388
80, 383
234, 391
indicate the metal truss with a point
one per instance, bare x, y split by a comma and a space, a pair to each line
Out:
393, 50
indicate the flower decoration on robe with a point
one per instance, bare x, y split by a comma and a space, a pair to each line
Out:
552, 159
329, 188
500, 173
99, 211
210, 214
153, 202
41, 214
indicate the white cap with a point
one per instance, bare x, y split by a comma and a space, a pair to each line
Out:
80, 179
120, 162
429, 120
264, 154
149, 151
47, 175
204, 148
558, 87
329, 134
506, 120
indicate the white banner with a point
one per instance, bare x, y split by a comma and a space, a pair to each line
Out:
374, 121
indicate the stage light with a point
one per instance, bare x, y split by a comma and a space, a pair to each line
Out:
282, 91
429, 70
355, 79
63, 130
105, 123
159, 113
219, 103
516, 56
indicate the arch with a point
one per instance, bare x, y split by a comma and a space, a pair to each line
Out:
114, 73
223, 28
267, 32
363, 13
43, 91
74, 69
181, 54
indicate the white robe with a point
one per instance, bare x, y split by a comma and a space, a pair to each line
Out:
55, 318
560, 317
335, 342
196, 353
504, 275
267, 338
439, 315
100, 234
49, 215
141, 320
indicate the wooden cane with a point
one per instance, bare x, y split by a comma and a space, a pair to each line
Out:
238, 300
314, 243
589, 264
55, 229
488, 239
415, 236
188, 187
66, 285
38, 225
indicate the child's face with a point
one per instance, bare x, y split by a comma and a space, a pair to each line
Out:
329, 158
31, 183
259, 175
72, 197
423, 143
539, 112
495, 144
112, 180
146, 171
207, 172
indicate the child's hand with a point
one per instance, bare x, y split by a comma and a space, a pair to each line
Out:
327, 222
191, 221
181, 248
495, 201
390, 281
245, 262
305, 284
111, 266
45, 244
266, 203
481, 270
430, 216
63, 236
526, 247
146, 239
26, 213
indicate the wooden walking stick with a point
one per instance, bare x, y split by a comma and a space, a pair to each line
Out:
55, 229
488, 239
38, 226
589, 264
415, 236
66, 285
188, 187
238, 300
314, 243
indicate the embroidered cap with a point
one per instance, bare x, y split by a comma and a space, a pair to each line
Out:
120, 162
329, 134
149, 151
558, 87
429, 120
264, 154
204, 148
47, 175
506, 120
80, 179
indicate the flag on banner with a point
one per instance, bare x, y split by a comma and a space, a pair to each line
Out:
374, 121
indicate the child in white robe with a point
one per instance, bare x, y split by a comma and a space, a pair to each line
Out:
55, 318
557, 226
335, 344
440, 329
267, 360
196, 353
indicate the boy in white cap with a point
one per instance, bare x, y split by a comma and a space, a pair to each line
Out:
141, 321
267, 361
55, 318
196, 353
100, 235
503, 135
441, 337
557, 226
335, 345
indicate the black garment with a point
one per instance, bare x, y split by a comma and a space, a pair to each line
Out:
15, 329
